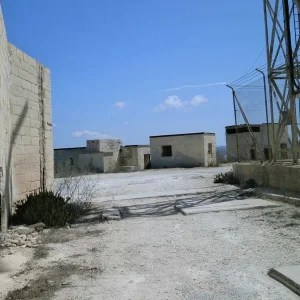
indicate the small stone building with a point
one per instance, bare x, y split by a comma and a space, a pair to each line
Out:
247, 150
101, 156
183, 150
26, 152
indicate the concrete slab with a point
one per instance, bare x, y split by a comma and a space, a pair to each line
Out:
225, 205
111, 214
288, 276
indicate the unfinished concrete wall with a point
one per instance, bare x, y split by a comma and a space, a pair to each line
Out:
5, 130
91, 162
245, 142
210, 149
26, 154
134, 155
284, 177
67, 160
186, 150
31, 124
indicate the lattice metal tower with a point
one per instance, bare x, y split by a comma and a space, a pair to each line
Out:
282, 30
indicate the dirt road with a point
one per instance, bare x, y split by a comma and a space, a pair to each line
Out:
156, 253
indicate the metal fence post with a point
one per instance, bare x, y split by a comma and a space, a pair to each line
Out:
267, 112
236, 127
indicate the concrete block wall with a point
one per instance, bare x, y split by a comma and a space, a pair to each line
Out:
5, 135
31, 124
283, 177
141, 151
210, 157
188, 150
134, 156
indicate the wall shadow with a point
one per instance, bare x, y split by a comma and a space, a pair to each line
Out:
6, 200
167, 208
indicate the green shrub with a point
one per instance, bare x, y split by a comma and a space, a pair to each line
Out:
227, 178
47, 207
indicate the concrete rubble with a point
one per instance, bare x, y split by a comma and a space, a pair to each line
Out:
23, 236
288, 276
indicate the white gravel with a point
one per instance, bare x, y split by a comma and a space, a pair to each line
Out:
154, 253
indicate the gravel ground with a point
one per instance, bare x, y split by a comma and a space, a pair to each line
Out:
156, 253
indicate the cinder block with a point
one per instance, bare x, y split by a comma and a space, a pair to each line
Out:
33, 71
12, 49
35, 176
34, 105
14, 70
34, 132
20, 54
25, 95
32, 62
33, 167
33, 114
19, 149
33, 97
19, 159
26, 140
22, 189
24, 74
16, 110
33, 158
26, 85
25, 66
21, 169
34, 88
32, 149
49, 166
35, 123
35, 141
47, 94
48, 134
34, 186
16, 90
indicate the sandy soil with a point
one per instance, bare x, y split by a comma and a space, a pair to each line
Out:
156, 253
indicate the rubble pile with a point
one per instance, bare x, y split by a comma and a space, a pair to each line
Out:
23, 236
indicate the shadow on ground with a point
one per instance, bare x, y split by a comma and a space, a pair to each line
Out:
166, 208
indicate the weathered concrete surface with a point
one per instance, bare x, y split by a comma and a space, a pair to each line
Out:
111, 214
288, 276
188, 150
227, 205
156, 253
283, 177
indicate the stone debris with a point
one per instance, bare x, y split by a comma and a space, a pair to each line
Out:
23, 236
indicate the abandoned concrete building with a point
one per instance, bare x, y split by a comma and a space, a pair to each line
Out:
26, 152
246, 147
183, 150
101, 156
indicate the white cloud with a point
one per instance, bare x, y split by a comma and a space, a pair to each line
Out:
54, 125
91, 134
195, 86
120, 105
174, 102
197, 100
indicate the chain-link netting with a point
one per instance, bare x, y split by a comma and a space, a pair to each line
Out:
253, 103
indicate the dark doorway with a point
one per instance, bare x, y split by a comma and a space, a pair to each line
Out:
266, 152
252, 154
147, 164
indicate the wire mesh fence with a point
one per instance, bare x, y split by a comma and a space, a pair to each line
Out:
259, 121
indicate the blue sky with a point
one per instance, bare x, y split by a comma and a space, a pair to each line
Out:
134, 68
